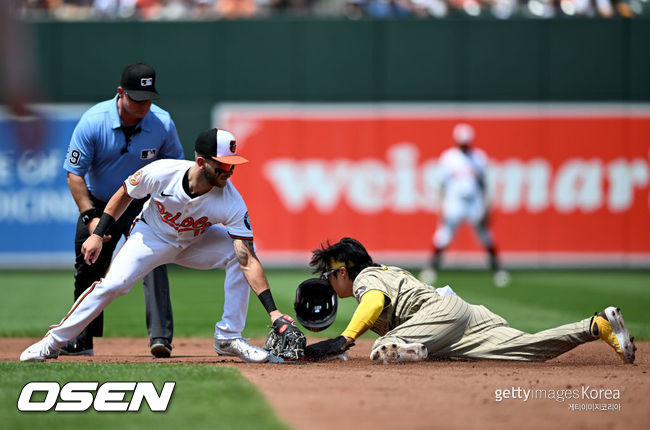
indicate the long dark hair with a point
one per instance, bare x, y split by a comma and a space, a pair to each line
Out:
347, 250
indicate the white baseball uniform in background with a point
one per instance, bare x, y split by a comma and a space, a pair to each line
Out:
461, 175
172, 228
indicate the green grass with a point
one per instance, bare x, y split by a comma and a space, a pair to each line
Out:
535, 300
205, 397
219, 397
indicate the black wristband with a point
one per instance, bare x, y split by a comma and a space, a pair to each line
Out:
104, 224
87, 216
267, 301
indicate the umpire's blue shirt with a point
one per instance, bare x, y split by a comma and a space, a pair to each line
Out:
96, 150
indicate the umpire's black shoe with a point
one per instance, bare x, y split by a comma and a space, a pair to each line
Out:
82, 345
160, 347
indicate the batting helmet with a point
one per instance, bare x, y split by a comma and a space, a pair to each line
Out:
316, 304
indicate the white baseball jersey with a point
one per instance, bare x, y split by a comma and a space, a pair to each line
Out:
460, 173
191, 232
178, 218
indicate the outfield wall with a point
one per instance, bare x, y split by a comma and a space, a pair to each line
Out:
327, 60
568, 182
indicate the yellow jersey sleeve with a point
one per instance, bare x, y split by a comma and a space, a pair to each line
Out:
369, 309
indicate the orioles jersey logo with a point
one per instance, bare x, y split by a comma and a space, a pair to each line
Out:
197, 226
134, 179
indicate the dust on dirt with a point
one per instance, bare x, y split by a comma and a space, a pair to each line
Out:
587, 387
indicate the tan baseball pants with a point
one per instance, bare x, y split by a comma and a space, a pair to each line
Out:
450, 327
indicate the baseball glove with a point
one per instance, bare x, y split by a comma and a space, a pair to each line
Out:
286, 340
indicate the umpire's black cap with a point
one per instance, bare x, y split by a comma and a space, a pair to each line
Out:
139, 82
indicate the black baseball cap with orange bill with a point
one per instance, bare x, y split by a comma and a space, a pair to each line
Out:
220, 145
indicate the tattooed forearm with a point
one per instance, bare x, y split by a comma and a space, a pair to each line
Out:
250, 265
244, 250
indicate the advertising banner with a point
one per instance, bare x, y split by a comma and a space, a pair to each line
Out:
568, 184
37, 213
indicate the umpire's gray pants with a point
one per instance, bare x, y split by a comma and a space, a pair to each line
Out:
160, 321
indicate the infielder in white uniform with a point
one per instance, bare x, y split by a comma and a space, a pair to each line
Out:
461, 177
195, 218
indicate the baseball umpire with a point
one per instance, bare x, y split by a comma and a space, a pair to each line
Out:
417, 321
195, 218
113, 139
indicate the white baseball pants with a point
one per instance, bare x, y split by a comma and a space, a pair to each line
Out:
142, 252
454, 212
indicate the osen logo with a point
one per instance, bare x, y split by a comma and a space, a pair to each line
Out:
81, 396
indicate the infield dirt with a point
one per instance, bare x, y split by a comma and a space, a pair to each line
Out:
356, 394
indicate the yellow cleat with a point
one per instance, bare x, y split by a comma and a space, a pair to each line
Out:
609, 326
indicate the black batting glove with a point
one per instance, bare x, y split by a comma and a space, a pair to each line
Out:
326, 347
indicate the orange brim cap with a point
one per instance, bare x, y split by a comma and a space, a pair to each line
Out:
231, 159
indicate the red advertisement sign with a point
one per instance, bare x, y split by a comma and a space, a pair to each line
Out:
566, 183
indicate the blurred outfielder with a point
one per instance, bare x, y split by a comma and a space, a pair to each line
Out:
462, 180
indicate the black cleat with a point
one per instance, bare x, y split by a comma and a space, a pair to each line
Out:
160, 347
82, 345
